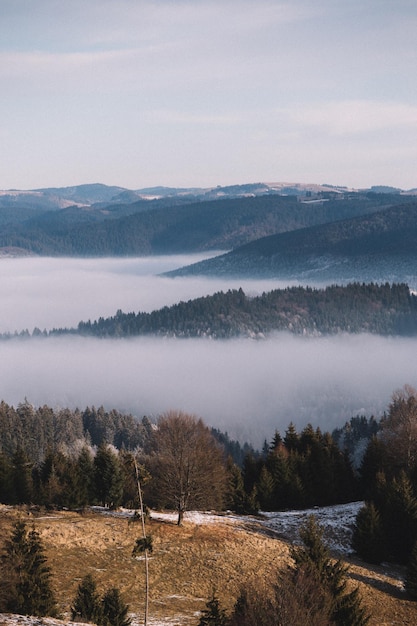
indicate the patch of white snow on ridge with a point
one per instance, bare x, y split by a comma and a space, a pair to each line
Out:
337, 522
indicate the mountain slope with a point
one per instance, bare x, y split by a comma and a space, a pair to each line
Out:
383, 243
135, 229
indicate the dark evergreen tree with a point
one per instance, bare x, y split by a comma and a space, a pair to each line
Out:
213, 614
374, 462
399, 518
368, 536
85, 477
28, 575
265, 489
130, 498
22, 485
235, 496
87, 604
108, 478
291, 439
5, 479
293, 601
52, 472
313, 557
114, 610
276, 441
411, 574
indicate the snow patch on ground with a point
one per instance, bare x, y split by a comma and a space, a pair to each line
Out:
337, 523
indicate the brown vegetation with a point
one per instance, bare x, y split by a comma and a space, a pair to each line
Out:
187, 563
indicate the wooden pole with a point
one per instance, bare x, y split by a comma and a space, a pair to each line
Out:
142, 515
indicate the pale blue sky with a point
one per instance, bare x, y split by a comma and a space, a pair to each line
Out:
205, 92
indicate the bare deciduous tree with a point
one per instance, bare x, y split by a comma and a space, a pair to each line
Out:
188, 467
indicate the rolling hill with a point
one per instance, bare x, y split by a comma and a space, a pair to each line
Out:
170, 225
377, 246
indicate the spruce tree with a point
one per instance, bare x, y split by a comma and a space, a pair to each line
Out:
85, 477
27, 574
108, 477
368, 539
213, 615
399, 518
22, 485
87, 605
114, 609
411, 574
314, 558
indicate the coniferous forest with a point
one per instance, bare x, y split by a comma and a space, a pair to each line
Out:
78, 458
384, 309
381, 309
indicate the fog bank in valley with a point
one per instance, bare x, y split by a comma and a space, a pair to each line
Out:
54, 292
246, 387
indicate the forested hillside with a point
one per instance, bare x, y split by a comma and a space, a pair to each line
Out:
383, 244
382, 309
174, 225
73, 458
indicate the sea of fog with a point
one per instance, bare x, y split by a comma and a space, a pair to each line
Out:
248, 388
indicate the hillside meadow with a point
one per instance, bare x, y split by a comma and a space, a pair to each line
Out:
208, 552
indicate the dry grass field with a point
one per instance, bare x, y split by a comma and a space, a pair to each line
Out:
186, 565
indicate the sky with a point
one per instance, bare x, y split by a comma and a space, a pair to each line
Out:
245, 387
139, 93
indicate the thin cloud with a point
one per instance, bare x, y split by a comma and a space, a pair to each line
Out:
354, 117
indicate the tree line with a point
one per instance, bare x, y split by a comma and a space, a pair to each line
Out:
386, 309
74, 459
386, 526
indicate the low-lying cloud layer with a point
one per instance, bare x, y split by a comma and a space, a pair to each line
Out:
53, 292
248, 388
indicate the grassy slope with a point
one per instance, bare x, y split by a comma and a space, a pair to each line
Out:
186, 565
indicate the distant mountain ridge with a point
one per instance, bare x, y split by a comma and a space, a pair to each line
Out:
50, 198
177, 223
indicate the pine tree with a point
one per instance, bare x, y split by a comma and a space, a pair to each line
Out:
114, 609
313, 557
399, 518
368, 539
5, 479
265, 488
213, 615
85, 477
108, 477
28, 575
21, 477
411, 575
87, 605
